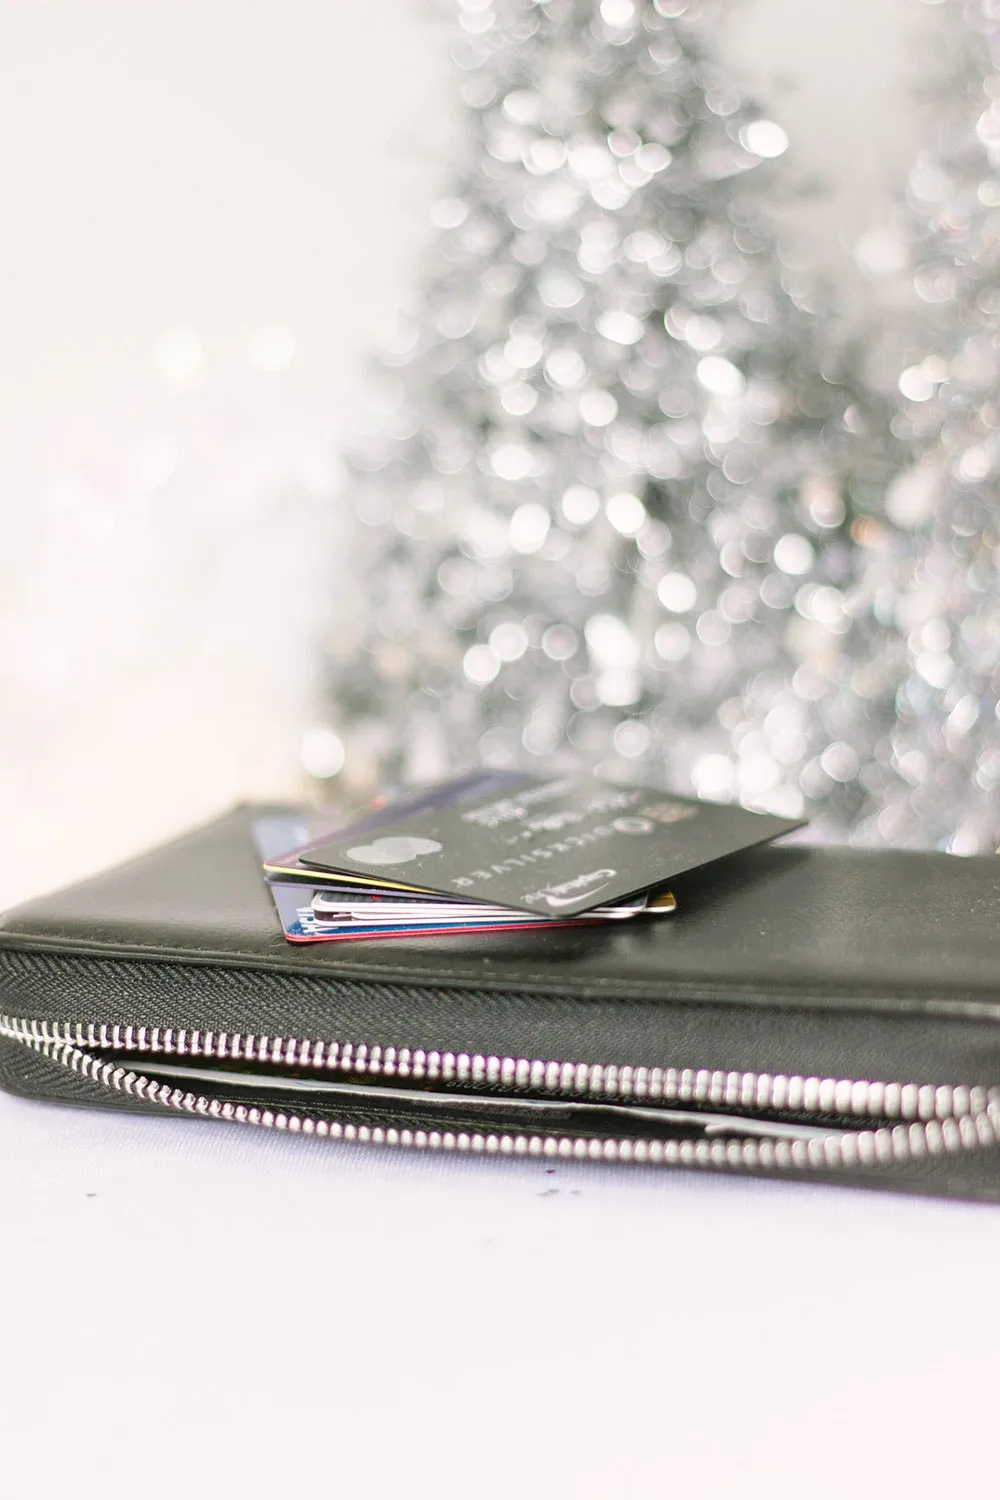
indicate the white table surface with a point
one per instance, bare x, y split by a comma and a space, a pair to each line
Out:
205, 1309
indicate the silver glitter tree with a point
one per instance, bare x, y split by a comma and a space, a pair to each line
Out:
932, 557
599, 496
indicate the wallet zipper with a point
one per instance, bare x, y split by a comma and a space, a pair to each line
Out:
927, 1120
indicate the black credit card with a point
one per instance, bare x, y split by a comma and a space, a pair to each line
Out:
556, 846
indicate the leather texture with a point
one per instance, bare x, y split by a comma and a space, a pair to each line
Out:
892, 929
820, 961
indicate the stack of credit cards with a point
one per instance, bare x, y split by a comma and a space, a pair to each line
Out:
495, 851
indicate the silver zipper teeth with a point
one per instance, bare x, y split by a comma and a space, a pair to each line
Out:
933, 1121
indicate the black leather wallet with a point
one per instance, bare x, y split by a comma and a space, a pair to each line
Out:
807, 1012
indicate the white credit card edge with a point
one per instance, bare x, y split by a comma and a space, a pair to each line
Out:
406, 919
450, 911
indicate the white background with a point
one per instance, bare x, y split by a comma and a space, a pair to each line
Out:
168, 536
195, 1309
